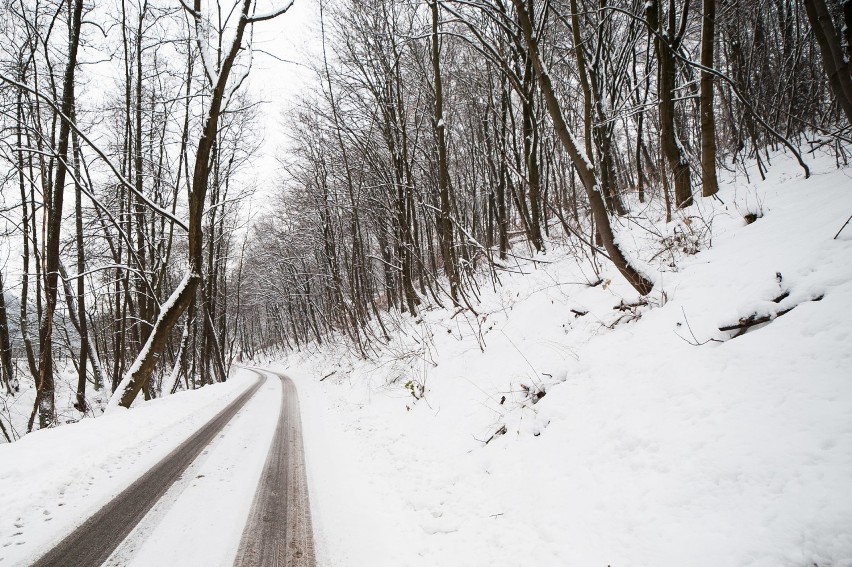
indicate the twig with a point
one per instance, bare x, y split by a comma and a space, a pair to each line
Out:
535, 372
697, 342
498, 433
842, 227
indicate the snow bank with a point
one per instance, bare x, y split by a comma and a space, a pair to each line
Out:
600, 436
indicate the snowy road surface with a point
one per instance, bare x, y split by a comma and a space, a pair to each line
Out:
279, 529
212, 501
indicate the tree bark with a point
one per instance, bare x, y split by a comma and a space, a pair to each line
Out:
665, 41
445, 224
833, 61
709, 183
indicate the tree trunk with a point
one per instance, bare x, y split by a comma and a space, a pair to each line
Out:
709, 183
530, 148
833, 61
83, 327
587, 174
45, 385
25, 224
579, 55
665, 42
445, 224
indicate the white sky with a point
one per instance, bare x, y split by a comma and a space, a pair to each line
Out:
277, 78
291, 37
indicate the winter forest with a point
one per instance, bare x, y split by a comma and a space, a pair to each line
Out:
606, 202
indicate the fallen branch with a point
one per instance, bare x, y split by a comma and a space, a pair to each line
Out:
745, 323
498, 433
842, 227
628, 306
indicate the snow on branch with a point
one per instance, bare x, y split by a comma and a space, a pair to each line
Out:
270, 15
115, 400
129, 186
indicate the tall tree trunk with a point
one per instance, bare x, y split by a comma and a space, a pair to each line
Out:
709, 183
587, 174
83, 327
580, 57
531, 147
833, 60
502, 212
143, 299
665, 43
445, 224
26, 225
45, 385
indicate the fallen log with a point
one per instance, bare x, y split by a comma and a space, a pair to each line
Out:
745, 323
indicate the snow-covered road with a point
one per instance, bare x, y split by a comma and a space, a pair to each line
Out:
201, 504
279, 530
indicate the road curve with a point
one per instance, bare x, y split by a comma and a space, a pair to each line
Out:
278, 532
94, 541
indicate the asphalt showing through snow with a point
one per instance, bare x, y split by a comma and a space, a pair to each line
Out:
278, 531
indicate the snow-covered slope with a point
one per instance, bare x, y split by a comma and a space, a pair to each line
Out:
634, 436
565, 424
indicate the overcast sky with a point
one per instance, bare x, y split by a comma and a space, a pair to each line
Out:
276, 78
293, 38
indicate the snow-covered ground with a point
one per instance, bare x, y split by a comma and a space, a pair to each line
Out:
551, 429
659, 440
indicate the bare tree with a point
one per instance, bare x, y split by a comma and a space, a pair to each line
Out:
54, 198
668, 40
709, 183
218, 74
834, 61
590, 182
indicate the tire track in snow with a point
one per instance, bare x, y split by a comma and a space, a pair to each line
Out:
279, 531
94, 541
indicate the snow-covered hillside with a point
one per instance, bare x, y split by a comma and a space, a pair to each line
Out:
567, 424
